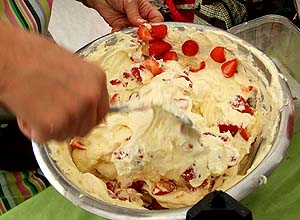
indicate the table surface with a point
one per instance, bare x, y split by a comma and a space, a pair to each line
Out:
278, 199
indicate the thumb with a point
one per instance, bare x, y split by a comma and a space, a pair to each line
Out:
133, 13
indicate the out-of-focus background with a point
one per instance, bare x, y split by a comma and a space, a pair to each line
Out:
73, 25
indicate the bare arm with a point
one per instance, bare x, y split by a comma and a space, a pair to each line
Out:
54, 93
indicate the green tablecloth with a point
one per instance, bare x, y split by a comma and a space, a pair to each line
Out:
279, 199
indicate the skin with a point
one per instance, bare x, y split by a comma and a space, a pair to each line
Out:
124, 13
54, 93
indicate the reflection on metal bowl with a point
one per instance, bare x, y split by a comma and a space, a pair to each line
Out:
240, 190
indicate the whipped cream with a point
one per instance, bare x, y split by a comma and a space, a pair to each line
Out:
174, 163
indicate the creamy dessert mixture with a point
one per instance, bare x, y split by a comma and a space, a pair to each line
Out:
148, 158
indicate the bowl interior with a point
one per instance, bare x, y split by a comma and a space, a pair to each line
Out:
244, 187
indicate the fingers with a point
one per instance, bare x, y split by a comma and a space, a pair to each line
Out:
150, 12
133, 13
116, 26
79, 105
139, 12
24, 127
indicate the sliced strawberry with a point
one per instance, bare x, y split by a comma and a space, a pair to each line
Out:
153, 66
228, 127
200, 66
189, 174
77, 144
159, 48
247, 89
110, 185
218, 54
244, 133
144, 34
141, 67
229, 68
190, 48
163, 187
137, 74
126, 75
240, 104
137, 185
115, 82
187, 79
159, 32
114, 98
155, 205
204, 183
170, 55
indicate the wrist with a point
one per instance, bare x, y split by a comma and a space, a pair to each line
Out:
18, 51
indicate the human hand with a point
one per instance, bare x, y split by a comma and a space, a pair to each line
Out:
54, 93
124, 13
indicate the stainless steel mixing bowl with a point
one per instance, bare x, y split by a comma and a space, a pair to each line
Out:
238, 191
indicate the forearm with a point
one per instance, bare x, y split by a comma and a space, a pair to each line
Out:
20, 52
10, 37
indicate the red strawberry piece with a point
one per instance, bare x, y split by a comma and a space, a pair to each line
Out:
153, 66
163, 187
159, 32
204, 183
155, 205
77, 144
141, 67
218, 54
114, 98
229, 68
228, 127
244, 133
190, 48
223, 138
110, 185
170, 55
144, 34
241, 105
189, 174
200, 66
137, 74
159, 48
115, 82
137, 185
248, 89
187, 79
126, 75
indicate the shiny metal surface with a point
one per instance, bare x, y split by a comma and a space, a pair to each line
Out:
239, 191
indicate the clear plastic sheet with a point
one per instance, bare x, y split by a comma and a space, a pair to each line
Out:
279, 38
